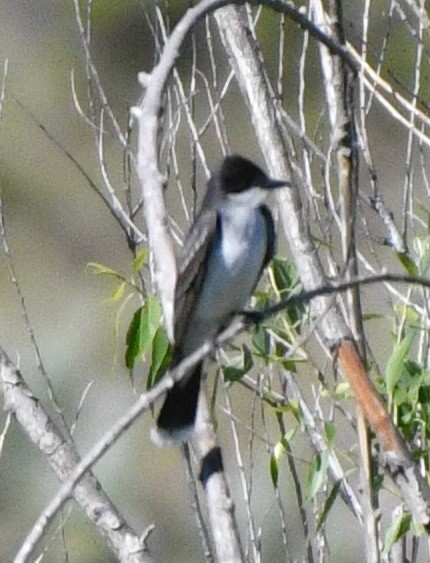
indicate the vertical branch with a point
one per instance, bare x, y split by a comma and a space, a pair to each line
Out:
298, 491
147, 115
220, 506
339, 88
3, 87
196, 507
246, 491
407, 213
247, 64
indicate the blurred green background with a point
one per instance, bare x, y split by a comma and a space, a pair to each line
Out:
56, 225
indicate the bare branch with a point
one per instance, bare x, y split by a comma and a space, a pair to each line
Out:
212, 476
196, 507
339, 90
3, 87
63, 459
255, 548
92, 71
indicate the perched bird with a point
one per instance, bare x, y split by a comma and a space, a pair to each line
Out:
225, 251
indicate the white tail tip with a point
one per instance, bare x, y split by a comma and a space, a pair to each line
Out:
163, 438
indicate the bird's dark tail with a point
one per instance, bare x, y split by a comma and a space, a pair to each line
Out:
175, 422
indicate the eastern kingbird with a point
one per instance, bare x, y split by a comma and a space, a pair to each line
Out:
229, 244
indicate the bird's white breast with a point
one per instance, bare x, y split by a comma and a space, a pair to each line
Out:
232, 273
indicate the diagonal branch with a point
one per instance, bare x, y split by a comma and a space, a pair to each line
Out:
63, 458
339, 87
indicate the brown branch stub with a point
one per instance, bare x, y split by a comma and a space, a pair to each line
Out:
367, 397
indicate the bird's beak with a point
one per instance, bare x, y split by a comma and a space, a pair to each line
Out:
272, 184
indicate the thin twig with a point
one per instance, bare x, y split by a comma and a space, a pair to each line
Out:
197, 508
3, 87
24, 311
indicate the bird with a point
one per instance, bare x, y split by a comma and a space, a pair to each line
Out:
230, 242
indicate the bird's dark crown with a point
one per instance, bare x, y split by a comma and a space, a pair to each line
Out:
238, 174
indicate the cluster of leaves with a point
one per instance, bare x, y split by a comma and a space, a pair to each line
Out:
286, 326
284, 281
405, 383
407, 387
146, 335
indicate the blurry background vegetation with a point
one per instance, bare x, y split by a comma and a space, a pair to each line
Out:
57, 225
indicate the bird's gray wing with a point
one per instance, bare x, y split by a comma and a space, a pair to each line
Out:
192, 262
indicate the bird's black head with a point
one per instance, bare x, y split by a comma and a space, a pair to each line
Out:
238, 174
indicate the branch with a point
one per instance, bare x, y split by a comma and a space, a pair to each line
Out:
3, 87
212, 476
63, 458
147, 116
111, 436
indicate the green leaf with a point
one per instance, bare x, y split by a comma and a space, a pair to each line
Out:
161, 356
117, 294
239, 366
411, 316
101, 270
417, 529
261, 341
372, 316
328, 504
317, 474
398, 528
151, 319
396, 362
132, 339
342, 391
139, 260
284, 275
141, 331
408, 264
279, 452
329, 433
274, 469
286, 282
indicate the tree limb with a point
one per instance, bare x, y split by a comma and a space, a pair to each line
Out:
63, 459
